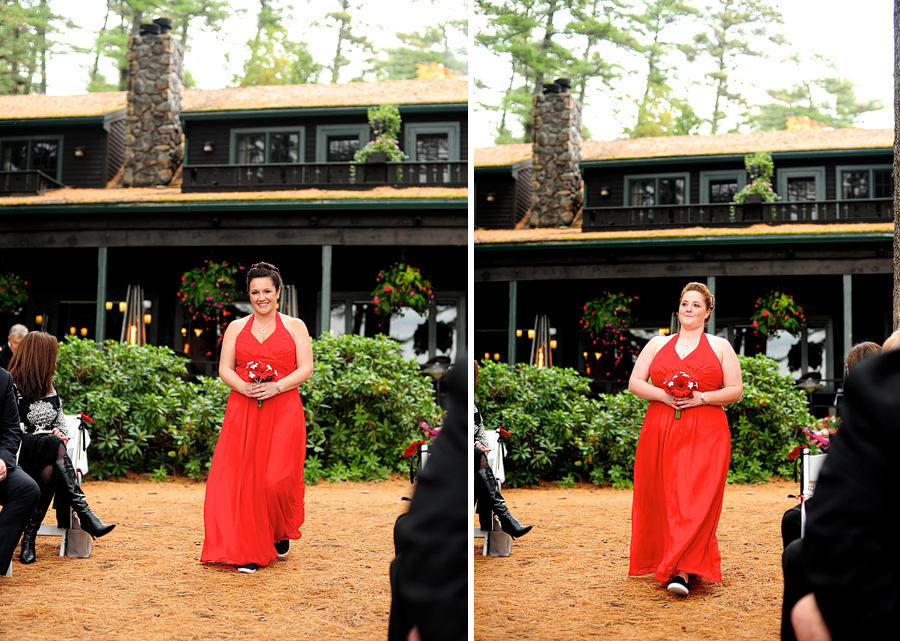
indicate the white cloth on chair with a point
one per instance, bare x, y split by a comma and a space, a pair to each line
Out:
79, 439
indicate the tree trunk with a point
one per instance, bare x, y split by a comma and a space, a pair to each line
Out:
896, 164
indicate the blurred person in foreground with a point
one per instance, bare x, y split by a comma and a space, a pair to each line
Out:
429, 575
849, 545
16, 332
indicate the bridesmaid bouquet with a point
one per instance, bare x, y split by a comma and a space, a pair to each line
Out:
680, 385
261, 373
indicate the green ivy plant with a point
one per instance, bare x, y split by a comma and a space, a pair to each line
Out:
763, 166
402, 286
206, 290
778, 311
13, 295
385, 123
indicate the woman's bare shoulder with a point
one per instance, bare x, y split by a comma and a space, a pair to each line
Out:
235, 326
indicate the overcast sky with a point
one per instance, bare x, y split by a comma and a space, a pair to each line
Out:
856, 35
206, 58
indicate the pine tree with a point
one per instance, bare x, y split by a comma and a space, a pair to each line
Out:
275, 58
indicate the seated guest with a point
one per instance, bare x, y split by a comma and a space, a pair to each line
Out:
16, 332
843, 562
18, 492
43, 454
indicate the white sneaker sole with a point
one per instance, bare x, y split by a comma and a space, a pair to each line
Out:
247, 570
677, 588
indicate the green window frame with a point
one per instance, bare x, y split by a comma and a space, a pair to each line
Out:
818, 173
708, 177
268, 132
840, 170
29, 163
324, 131
413, 130
629, 180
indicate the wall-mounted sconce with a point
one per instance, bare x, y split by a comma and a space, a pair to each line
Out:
530, 333
147, 319
208, 147
109, 305
604, 191
84, 331
585, 355
184, 331
496, 357
491, 197
122, 307
518, 333
79, 152
39, 319
552, 343
487, 356
73, 330
198, 331
597, 356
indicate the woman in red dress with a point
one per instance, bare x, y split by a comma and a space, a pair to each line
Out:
681, 464
254, 494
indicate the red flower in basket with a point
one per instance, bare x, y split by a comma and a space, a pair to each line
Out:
680, 385
412, 448
261, 373
503, 431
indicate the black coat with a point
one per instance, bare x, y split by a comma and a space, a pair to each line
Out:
849, 553
10, 434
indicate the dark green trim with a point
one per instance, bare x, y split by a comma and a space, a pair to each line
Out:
295, 112
256, 205
103, 121
777, 155
496, 169
689, 242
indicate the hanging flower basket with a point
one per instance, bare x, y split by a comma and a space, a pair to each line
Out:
12, 293
206, 291
778, 311
402, 286
608, 316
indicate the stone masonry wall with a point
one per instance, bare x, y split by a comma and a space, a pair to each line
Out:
153, 137
556, 197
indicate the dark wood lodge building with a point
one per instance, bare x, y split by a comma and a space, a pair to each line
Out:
658, 213
102, 191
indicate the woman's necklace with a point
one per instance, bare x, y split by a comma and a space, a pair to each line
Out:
687, 345
262, 330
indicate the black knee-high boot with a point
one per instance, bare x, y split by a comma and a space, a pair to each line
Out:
68, 483
482, 506
508, 522
27, 554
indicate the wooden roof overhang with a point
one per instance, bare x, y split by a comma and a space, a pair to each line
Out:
757, 251
408, 221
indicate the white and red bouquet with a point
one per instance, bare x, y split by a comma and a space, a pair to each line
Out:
261, 372
680, 385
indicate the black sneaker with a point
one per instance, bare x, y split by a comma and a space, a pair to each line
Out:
283, 547
250, 568
679, 586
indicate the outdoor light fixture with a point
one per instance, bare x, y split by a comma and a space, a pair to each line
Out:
147, 319
491, 196
184, 331
73, 330
208, 147
84, 331
552, 343
530, 333
487, 356
122, 307
518, 333
79, 152
596, 356
109, 305
496, 357
38, 319
198, 331
604, 191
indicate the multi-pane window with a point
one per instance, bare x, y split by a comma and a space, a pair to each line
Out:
801, 189
433, 146
35, 153
722, 191
342, 148
865, 182
256, 147
645, 192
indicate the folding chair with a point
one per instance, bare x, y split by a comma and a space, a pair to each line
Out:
810, 466
495, 461
79, 439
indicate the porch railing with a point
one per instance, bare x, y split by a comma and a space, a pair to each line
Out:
324, 175
29, 181
721, 214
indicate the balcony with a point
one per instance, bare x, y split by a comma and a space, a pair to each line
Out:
720, 214
29, 182
324, 175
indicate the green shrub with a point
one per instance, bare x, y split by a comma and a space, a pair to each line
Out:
559, 433
363, 405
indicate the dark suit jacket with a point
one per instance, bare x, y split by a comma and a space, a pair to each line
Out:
5, 355
849, 553
10, 434
429, 576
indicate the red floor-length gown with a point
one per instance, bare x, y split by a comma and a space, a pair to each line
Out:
254, 494
679, 474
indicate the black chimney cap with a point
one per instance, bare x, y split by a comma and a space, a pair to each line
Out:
165, 24
551, 87
564, 83
149, 29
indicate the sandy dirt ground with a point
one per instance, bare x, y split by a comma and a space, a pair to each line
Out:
568, 578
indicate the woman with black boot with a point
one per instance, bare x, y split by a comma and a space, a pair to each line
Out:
43, 455
488, 499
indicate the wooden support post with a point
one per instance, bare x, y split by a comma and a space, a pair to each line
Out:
100, 324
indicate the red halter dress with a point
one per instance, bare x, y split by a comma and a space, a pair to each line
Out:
254, 494
680, 469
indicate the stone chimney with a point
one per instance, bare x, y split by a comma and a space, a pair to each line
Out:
556, 196
153, 137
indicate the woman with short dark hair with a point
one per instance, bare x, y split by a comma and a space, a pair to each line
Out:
43, 455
